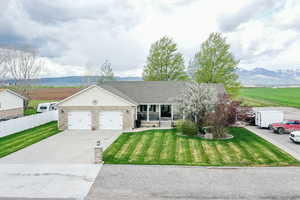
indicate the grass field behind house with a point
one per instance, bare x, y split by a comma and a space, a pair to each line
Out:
166, 147
270, 97
17, 141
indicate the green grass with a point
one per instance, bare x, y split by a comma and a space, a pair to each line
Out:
30, 111
270, 97
165, 147
17, 141
32, 106
35, 103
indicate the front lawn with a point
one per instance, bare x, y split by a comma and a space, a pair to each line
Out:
165, 147
17, 141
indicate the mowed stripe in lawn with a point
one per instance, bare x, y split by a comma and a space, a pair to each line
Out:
17, 141
152, 153
22, 140
25, 133
166, 147
22, 144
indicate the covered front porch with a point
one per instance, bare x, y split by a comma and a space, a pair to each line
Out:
156, 114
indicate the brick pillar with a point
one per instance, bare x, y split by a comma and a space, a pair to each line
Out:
98, 153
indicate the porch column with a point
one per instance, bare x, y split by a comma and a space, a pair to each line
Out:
136, 112
159, 113
148, 109
172, 112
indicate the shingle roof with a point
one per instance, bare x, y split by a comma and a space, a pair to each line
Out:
12, 92
151, 91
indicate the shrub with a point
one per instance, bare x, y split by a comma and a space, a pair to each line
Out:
187, 127
224, 115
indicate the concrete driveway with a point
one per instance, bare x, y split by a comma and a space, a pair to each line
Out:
136, 182
60, 166
281, 141
68, 147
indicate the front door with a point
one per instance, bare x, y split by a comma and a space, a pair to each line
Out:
165, 111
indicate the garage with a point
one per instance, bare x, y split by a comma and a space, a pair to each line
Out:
111, 120
79, 120
95, 108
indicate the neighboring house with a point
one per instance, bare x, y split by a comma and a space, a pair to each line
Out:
118, 104
11, 104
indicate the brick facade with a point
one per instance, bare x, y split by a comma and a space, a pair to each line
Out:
128, 115
11, 113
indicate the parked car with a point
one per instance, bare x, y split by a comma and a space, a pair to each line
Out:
295, 136
265, 118
246, 114
45, 107
286, 126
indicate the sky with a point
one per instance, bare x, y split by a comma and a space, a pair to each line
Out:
76, 37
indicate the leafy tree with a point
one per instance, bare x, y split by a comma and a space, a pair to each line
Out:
192, 68
216, 64
164, 62
106, 73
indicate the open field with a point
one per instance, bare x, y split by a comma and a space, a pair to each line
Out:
55, 94
48, 94
256, 97
165, 147
17, 141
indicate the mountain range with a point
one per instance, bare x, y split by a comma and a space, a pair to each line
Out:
265, 77
254, 77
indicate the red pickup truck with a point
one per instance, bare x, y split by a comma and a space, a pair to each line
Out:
286, 126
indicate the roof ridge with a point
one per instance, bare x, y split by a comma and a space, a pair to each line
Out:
13, 92
120, 92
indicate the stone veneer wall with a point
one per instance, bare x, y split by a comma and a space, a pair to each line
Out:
16, 112
128, 115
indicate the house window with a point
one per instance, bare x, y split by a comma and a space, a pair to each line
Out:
153, 108
143, 108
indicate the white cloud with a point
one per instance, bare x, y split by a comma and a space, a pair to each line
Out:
269, 40
73, 34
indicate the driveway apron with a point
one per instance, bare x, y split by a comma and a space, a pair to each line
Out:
61, 166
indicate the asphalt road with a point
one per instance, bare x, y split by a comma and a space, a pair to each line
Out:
189, 183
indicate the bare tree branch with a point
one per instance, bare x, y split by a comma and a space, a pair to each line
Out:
106, 73
23, 67
3, 68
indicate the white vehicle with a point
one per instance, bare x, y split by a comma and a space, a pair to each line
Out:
45, 107
264, 118
295, 136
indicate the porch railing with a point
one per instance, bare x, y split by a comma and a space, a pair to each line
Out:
153, 116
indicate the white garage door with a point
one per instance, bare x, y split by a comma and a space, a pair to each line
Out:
79, 120
111, 120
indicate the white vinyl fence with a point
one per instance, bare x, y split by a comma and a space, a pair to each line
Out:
20, 124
